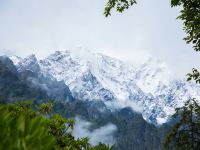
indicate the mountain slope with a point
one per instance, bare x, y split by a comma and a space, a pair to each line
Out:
148, 88
27, 84
12, 87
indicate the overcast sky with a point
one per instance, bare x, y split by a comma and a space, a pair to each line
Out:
147, 29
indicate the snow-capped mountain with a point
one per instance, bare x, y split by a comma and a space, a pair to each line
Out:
148, 88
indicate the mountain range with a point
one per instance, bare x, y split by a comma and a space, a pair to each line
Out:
148, 89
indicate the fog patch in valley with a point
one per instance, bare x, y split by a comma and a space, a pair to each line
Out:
102, 134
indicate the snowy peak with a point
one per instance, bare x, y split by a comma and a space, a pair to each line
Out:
153, 75
15, 59
65, 66
28, 63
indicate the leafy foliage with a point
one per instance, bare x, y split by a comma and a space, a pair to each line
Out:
195, 75
46, 107
102, 146
24, 128
190, 15
185, 135
120, 6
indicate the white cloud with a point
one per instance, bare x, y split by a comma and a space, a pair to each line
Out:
103, 134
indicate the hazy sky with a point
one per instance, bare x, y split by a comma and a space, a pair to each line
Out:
43, 26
